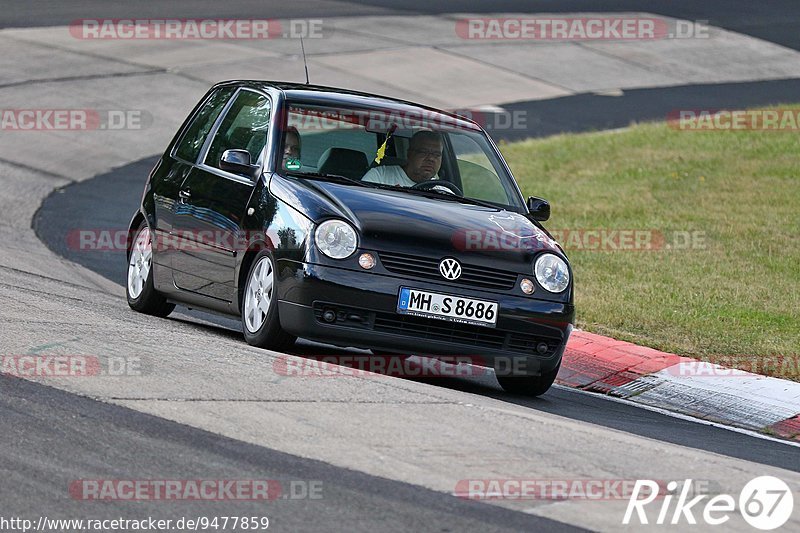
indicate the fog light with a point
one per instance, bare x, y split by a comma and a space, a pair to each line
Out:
526, 285
541, 348
366, 261
329, 316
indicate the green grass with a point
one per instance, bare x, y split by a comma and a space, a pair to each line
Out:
739, 294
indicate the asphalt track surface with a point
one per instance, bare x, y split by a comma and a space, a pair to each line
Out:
42, 453
33, 416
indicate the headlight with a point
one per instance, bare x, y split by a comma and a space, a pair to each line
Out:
336, 239
551, 272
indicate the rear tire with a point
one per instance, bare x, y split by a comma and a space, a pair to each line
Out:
141, 293
529, 385
260, 322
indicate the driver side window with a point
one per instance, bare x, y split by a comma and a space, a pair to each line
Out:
245, 127
192, 142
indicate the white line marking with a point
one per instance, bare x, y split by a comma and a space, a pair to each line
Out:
680, 416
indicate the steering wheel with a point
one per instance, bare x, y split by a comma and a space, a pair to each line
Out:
442, 185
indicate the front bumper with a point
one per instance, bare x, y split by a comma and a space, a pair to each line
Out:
365, 307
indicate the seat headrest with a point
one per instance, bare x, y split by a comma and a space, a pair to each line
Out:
345, 162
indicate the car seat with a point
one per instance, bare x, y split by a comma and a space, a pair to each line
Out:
352, 164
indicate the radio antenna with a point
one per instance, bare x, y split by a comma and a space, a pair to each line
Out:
305, 63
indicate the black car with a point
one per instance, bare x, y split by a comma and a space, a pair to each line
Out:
355, 220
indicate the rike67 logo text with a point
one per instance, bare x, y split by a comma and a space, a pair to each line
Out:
765, 503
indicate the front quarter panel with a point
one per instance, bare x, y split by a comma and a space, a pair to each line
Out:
286, 227
275, 226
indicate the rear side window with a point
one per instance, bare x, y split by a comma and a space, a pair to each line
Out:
245, 127
192, 142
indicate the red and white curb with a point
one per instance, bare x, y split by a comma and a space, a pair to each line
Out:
681, 384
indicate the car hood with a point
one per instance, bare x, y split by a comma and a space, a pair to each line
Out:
403, 222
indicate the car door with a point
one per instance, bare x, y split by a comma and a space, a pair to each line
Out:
173, 169
212, 202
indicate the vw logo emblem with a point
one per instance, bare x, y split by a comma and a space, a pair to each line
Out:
450, 269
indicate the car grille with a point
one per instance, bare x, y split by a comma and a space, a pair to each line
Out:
439, 330
471, 275
478, 336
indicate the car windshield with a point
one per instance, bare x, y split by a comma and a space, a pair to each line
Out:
413, 150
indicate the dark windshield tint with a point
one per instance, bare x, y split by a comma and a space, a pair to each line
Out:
388, 148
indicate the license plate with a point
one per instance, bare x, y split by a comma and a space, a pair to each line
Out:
447, 307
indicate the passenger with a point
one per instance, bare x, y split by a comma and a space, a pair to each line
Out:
291, 149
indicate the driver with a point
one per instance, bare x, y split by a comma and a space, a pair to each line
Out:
423, 163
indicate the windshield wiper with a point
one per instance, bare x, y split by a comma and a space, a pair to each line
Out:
430, 193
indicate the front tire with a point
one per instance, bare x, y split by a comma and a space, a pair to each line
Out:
529, 385
142, 295
260, 321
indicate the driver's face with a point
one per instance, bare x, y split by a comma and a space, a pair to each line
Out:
424, 160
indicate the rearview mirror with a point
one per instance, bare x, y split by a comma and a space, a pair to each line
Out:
238, 162
538, 209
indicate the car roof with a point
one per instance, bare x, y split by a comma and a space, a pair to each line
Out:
320, 94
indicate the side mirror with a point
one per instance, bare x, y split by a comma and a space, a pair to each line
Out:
238, 162
538, 209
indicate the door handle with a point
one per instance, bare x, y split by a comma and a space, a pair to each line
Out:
184, 194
